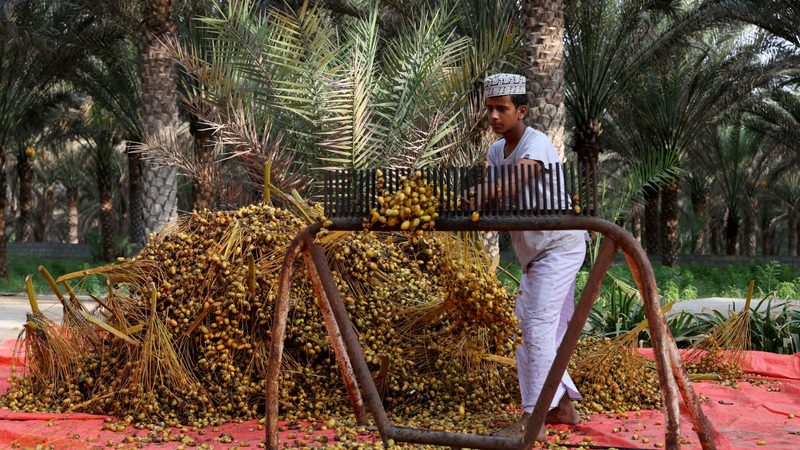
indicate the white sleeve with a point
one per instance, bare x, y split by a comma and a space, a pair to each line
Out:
539, 148
491, 157
494, 158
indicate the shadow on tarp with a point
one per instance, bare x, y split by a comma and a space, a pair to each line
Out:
751, 415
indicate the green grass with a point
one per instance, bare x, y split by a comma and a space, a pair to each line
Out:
616, 311
20, 266
692, 281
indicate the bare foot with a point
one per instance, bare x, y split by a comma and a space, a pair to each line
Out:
565, 412
517, 429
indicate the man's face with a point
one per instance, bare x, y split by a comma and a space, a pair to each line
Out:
502, 113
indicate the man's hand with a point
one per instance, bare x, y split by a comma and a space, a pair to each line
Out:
469, 200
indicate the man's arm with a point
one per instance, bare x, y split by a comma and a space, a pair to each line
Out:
495, 190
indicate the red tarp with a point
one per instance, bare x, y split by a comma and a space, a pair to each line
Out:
748, 416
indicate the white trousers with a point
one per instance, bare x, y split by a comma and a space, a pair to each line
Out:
544, 307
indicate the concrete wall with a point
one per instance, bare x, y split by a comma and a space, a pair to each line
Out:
49, 250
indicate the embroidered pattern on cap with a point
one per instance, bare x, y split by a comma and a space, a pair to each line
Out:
503, 84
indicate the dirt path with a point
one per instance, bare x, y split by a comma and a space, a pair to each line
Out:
13, 309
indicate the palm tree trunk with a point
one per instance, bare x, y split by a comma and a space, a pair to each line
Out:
636, 226
587, 142
44, 214
669, 222
25, 174
587, 149
159, 113
768, 234
651, 233
791, 229
3, 204
543, 43
731, 232
202, 184
107, 221
715, 233
136, 227
796, 234
104, 176
700, 199
750, 238
491, 242
72, 211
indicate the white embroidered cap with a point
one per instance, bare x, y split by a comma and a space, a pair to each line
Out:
503, 84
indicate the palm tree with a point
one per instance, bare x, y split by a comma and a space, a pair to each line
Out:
46, 195
778, 17
768, 217
159, 113
109, 72
741, 162
543, 22
635, 173
684, 94
352, 96
25, 156
42, 124
777, 115
699, 182
99, 137
604, 46
104, 168
607, 44
344, 98
786, 192
31, 60
67, 170
3, 205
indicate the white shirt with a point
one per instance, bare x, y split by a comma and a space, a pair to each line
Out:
536, 244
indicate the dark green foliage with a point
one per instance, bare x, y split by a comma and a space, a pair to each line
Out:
20, 266
685, 328
774, 325
690, 281
618, 309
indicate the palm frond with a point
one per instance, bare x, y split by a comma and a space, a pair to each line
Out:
777, 115
352, 137
412, 67
494, 37
628, 195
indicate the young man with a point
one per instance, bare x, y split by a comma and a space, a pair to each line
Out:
549, 259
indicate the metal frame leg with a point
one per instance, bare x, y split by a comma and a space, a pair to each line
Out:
335, 337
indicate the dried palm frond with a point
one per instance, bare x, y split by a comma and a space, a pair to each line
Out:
380, 377
157, 362
51, 357
198, 300
625, 345
722, 350
612, 375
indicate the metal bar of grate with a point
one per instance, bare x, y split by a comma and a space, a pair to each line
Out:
504, 190
558, 196
552, 189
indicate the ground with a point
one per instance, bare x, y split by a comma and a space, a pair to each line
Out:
759, 413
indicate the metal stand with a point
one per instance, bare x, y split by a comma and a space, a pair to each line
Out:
671, 372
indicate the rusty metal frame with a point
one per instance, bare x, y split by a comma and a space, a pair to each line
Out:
672, 375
